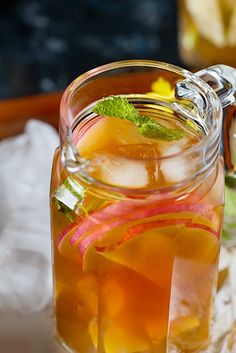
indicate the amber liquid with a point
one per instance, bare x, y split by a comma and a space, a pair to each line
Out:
137, 273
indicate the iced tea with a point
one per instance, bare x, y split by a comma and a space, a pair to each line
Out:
135, 271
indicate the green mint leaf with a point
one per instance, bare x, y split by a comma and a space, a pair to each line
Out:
156, 130
119, 107
116, 107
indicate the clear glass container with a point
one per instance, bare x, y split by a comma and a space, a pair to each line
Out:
136, 222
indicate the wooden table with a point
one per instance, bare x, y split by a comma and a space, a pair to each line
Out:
15, 112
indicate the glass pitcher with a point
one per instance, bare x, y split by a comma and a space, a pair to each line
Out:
136, 220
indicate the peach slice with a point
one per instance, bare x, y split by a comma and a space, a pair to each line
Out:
107, 133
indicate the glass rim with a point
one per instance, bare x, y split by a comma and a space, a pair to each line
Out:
210, 94
212, 99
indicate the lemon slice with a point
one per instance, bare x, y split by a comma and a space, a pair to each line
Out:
208, 19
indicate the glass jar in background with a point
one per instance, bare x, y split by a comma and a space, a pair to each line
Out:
207, 32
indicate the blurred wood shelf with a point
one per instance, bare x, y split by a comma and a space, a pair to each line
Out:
14, 113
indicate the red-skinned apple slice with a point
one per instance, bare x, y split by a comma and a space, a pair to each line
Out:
65, 233
139, 229
133, 210
63, 241
159, 228
94, 228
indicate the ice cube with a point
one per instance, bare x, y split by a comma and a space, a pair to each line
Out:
176, 169
166, 148
119, 171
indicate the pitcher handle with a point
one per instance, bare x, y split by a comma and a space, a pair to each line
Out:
222, 79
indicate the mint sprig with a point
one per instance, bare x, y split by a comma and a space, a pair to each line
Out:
119, 107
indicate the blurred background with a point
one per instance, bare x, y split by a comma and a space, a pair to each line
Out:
45, 44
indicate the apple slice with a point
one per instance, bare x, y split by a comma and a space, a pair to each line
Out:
94, 229
142, 228
98, 233
66, 233
156, 244
126, 211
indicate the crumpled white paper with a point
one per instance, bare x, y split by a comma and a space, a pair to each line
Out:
25, 259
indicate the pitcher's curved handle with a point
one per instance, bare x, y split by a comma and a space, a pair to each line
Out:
222, 79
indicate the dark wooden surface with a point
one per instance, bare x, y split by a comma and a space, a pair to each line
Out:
15, 112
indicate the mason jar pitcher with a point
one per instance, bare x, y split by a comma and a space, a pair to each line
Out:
137, 194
